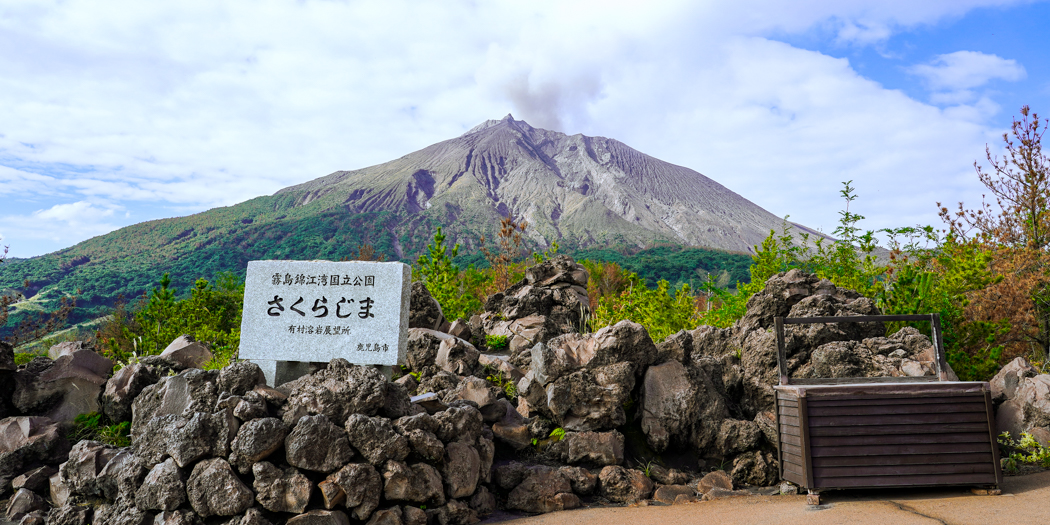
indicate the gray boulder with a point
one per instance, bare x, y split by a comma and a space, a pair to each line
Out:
163, 489
255, 441
755, 468
186, 353
511, 429
582, 481
177, 517
736, 436
320, 517
122, 388
715, 479
69, 515
624, 485
376, 439
397, 403
459, 423
413, 515
416, 483
201, 435
423, 421
669, 494
624, 341
593, 448
278, 490
1009, 378
460, 470
337, 391
424, 311
119, 478
121, 512
87, 459
24, 502
483, 502
357, 486
240, 378
186, 439
426, 446
70, 386
317, 444
543, 490
509, 475
457, 356
391, 516
35, 480
252, 405
422, 348
484, 394
214, 490
590, 399
670, 405
185, 394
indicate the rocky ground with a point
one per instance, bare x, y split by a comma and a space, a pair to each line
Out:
554, 420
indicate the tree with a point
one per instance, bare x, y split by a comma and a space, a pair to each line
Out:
444, 281
1017, 232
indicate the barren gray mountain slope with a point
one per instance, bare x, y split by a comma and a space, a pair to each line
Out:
579, 190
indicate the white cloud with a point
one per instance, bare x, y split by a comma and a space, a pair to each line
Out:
965, 70
72, 213
59, 225
197, 104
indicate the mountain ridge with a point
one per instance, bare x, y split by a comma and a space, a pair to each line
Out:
575, 188
586, 193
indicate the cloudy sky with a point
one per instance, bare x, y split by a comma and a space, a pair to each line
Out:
113, 113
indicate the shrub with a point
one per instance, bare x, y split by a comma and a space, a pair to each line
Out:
89, 426
211, 314
444, 280
497, 342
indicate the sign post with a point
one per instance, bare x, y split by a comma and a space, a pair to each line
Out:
302, 312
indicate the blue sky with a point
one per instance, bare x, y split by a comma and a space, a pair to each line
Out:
113, 113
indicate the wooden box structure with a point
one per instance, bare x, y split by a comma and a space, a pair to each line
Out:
871, 432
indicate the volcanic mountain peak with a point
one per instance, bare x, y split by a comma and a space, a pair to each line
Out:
578, 190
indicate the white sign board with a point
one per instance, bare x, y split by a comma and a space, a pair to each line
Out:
314, 311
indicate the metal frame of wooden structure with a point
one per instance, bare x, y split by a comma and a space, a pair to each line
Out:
878, 432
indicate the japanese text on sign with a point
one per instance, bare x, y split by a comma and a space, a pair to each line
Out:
334, 279
320, 307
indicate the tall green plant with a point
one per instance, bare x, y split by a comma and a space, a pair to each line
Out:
776, 254
662, 311
211, 314
444, 281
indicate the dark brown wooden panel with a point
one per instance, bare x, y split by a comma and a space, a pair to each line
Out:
901, 419
886, 450
897, 400
788, 411
938, 389
793, 468
790, 431
904, 459
793, 458
976, 407
788, 420
842, 441
861, 380
903, 470
905, 481
791, 449
793, 440
795, 478
948, 428
787, 401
